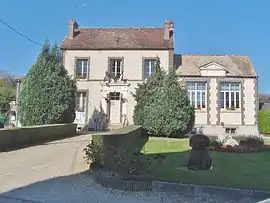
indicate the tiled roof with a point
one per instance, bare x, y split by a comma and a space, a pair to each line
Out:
189, 65
118, 38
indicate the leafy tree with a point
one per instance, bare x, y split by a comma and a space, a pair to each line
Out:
7, 89
47, 94
163, 107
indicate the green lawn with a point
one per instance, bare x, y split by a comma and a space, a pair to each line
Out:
241, 170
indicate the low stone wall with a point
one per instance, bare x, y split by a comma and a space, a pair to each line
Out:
115, 181
25, 136
211, 192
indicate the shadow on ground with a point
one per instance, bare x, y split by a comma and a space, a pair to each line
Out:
18, 146
80, 188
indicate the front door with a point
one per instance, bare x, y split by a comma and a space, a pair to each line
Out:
115, 107
80, 108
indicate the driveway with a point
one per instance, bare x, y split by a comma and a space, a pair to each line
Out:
55, 172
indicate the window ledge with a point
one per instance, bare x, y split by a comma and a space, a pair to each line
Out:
230, 111
230, 126
86, 79
200, 110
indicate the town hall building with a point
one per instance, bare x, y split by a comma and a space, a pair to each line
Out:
108, 63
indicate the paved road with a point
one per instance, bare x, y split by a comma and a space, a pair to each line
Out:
55, 173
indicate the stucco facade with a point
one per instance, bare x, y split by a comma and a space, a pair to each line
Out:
223, 89
96, 87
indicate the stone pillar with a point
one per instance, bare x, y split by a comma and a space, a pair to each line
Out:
18, 90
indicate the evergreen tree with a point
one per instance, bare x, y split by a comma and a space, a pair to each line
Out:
163, 107
144, 91
47, 92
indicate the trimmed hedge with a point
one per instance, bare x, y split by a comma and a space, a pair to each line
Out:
121, 149
264, 122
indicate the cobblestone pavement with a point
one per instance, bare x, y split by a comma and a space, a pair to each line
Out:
55, 173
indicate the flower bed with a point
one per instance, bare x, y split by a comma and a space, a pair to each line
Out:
240, 148
250, 144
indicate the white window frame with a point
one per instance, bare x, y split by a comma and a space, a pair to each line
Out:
196, 91
82, 101
84, 65
230, 91
151, 64
117, 62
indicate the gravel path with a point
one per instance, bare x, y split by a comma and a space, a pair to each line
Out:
80, 188
55, 173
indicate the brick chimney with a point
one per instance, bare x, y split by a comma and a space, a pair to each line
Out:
72, 29
168, 29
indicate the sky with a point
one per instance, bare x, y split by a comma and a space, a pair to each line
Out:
236, 27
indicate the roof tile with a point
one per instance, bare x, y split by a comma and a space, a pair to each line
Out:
118, 38
189, 65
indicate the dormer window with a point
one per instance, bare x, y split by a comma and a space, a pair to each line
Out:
213, 69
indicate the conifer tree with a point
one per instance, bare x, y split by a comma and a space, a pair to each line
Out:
163, 107
47, 92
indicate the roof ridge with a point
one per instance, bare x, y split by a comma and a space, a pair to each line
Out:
213, 55
104, 28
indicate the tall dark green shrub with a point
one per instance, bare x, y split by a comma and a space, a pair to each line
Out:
264, 122
47, 94
163, 107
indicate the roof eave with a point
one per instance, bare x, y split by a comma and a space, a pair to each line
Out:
98, 49
231, 76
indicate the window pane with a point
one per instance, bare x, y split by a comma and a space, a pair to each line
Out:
193, 98
81, 101
190, 85
222, 100
232, 100
113, 67
198, 100
227, 99
235, 86
118, 65
154, 65
203, 99
224, 86
237, 100
201, 86
118, 70
189, 96
146, 69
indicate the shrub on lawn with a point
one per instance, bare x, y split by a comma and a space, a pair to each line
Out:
163, 107
264, 122
119, 151
252, 141
47, 94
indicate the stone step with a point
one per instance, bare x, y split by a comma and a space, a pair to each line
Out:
114, 126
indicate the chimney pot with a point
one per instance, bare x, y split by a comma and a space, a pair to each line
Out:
168, 29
